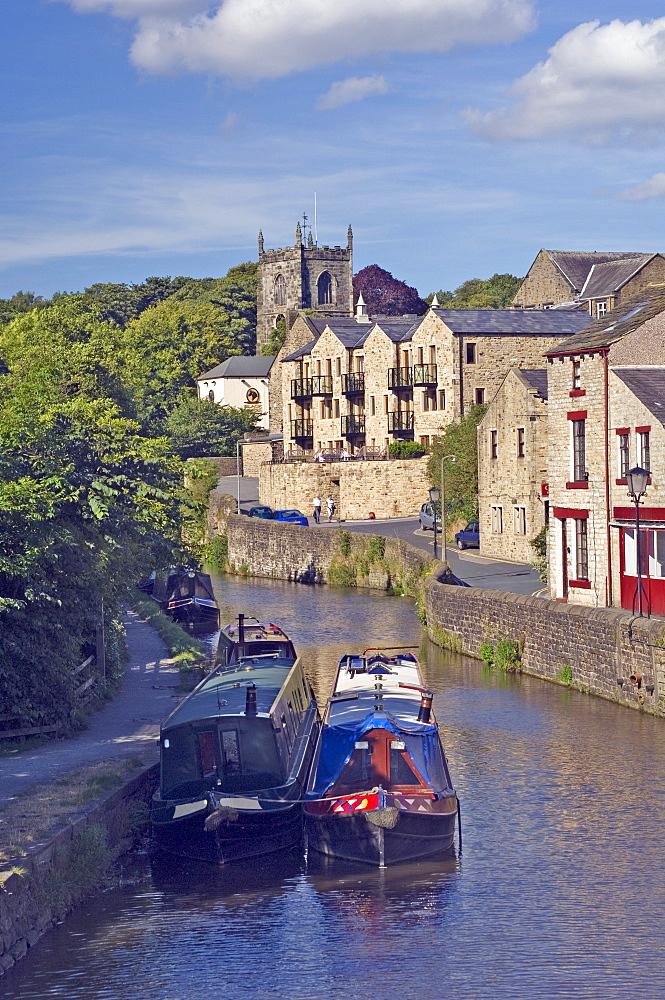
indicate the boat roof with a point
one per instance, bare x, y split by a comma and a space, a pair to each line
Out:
355, 693
224, 691
254, 630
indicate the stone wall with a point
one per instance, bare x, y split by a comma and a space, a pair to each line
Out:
388, 489
254, 454
543, 285
226, 465
594, 643
34, 888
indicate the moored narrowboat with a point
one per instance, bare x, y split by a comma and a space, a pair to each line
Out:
234, 760
187, 596
251, 637
380, 790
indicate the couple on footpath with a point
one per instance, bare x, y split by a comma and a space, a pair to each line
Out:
330, 505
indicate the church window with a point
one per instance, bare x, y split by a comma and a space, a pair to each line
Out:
280, 290
325, 288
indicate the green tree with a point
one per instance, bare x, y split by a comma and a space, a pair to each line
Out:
496, 292
461, 477
201, 428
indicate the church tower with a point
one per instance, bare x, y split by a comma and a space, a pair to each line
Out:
304, 276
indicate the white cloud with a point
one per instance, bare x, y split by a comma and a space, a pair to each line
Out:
230, 121
354, 88
266, 39
598, 80
653, 187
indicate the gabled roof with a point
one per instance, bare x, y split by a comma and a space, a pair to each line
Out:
576, 264
625, 318
537, 378
242, 366
607, 278
515, 322
398, 330
648, 384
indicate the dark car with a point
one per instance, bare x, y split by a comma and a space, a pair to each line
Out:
261, 511
469, 537
290, 516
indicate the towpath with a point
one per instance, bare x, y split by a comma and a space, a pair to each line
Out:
127, 725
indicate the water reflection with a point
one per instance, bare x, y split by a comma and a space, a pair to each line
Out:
558, 894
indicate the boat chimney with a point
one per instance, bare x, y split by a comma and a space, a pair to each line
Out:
425, 710
250, 703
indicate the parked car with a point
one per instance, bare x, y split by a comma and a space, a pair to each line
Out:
290, 516
261, 511
427, 514
469, 537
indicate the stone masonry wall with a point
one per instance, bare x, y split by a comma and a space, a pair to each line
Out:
395, 488
544, 284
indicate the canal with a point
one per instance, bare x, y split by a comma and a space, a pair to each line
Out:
558, 893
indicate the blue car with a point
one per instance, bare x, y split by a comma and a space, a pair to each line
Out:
469, 537
290, 516
261, 511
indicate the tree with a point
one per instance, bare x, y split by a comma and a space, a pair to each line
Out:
385, 295
20, 302
496, 292
201, 428
459, 439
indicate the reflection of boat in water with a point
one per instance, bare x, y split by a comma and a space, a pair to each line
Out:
234, 759
380, 791
187, 596
250, 637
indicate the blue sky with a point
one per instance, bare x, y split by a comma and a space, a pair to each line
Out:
145, 137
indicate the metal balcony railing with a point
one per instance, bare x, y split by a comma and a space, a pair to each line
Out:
353, 424
317, 385
353, 382
400, 422
302, 428
424, 374
400, 378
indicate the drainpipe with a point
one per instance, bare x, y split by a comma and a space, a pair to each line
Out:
461, 376
606, 417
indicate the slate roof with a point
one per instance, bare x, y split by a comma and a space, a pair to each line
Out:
605, 279
625, 318
536, 377
242, 366
576, 264
514, 322
648, 384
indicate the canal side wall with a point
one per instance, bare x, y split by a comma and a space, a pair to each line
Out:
39, 889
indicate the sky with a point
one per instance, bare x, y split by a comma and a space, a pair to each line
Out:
458, 137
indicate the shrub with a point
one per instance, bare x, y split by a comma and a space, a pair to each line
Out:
486, 653
566, 674
376, 548
507, 655
406, 449
345, 542
539, 562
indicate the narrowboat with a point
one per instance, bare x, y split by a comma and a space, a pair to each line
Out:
380, 790
187, 596
251, 637
235, 756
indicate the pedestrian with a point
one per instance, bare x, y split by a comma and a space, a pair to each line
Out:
345, 455
316, 504
330, 504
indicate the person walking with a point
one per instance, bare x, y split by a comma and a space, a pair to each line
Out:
330, 504
316, 504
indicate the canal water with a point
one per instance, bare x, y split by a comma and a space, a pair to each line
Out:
559, 891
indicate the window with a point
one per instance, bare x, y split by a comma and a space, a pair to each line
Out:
424, 440
497, 520
230, 752
426, 400
338, 366
360, 363
329, 368
480, 397
494, 444
520, 442
429, 400
519, 520
579, 450
325, 288
207, 753
280, 290
581, 549
577, 377
421, 355
211, 395
643, 449
601, 309
442, 399
432, 355
470, 354
385, 404
372, 406
336, 405
624, 454
326, 409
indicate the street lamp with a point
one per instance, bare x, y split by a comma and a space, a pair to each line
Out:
637, 479
435, 496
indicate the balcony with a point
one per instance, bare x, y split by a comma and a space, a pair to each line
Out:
317, 385
400, 378
353, 382
400, 422
302, 429
424, 375
353, 424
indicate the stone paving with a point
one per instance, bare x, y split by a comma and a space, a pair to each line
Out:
128, 725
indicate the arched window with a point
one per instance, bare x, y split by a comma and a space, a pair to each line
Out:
325, 288
280, 290
211, 395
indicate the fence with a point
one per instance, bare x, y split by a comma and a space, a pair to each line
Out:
87, 675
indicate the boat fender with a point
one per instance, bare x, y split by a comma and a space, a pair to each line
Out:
222, 814
425, 710
386, 817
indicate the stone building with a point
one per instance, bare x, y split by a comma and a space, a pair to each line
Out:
512, 466
595, 281
359, 384
606, 397
304, 276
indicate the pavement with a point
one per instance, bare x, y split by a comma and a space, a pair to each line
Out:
127, 725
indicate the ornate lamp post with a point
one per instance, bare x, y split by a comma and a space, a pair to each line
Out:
435, 496
637, 486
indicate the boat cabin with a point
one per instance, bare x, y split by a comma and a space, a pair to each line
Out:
250, 637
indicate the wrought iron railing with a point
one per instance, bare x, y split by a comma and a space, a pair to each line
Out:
302, 428
400, 422
424, 374
353, 382
353, 424
317, 385
400, 378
